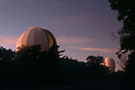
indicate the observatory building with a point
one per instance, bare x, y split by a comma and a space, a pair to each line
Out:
36, 36
109, 62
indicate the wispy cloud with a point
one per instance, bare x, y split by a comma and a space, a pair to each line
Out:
7, 40
101, 50
74, 21
73, 40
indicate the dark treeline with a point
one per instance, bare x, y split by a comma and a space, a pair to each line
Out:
32, 66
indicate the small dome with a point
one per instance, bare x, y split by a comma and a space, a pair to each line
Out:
109, 62
36, 36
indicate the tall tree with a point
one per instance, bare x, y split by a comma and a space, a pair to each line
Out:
95, 68
36, 63
95, 59
126, 14
6, 64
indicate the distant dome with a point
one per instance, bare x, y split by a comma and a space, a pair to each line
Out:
109, 62
36, 36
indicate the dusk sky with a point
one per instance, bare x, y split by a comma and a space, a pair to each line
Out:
81, 27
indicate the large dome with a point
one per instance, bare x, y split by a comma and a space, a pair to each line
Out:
36, 36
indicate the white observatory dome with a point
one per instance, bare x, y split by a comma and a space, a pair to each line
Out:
109, 62
36, 36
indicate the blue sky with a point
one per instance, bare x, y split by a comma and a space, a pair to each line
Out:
81, 27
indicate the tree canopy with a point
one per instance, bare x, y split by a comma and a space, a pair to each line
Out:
126, 14
95, 59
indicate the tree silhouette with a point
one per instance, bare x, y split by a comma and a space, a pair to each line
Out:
6, 55
6, 64
34, 67
95, 68
71, 69
123, 58
130, 67
126, 13
37, 64
95, 59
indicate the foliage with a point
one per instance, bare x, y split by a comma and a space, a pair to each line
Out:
95, 59
6, 64
130, 67
95, 67
126, 13
6, 55
32, 64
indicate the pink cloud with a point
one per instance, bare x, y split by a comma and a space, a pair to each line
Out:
73, 40
7, 40
101, 50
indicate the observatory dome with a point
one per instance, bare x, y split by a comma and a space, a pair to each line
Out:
109, 62
36, 36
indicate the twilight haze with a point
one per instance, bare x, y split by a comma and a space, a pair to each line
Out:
81, 27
